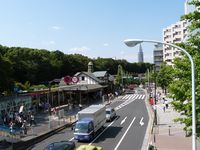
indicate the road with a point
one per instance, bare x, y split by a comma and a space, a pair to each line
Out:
125, 132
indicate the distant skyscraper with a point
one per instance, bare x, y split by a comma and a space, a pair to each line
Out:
158, 56
140, 55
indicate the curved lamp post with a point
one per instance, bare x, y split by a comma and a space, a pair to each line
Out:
134, 42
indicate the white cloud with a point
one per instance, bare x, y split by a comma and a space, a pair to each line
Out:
55, 27
81, 50
105, 44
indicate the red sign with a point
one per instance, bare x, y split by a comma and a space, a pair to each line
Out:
75, 79
68, 79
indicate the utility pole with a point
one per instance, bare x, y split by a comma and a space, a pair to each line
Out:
155, 86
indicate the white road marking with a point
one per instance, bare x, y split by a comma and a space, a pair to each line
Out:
134, 96
124, 134
137, 97
71, 139
141, 122
140, 96
102, 132
123, 121
143, 96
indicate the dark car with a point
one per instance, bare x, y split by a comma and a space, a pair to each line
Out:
62, 145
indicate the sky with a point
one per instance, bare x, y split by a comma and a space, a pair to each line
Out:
93, 28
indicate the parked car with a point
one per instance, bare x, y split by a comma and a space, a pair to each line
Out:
89, 147
62, 145
110, 113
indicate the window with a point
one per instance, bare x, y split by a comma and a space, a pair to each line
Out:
82, 78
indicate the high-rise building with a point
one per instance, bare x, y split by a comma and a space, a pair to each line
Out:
140, 55
158, 56
174, 33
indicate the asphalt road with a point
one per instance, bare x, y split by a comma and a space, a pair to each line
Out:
125, 132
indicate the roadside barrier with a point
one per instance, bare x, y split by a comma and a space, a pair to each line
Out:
22, 145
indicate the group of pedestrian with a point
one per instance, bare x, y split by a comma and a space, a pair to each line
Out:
18, 121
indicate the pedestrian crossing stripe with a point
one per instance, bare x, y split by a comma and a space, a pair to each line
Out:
133, 96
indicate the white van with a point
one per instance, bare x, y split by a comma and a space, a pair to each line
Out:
110, 113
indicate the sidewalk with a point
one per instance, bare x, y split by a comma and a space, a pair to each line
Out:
46, 123
168, 134
43, 127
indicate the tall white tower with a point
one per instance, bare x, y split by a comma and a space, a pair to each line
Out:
140, 55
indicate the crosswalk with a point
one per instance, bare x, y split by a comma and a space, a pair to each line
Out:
127, 99
133, 96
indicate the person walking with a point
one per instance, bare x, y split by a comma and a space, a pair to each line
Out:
32, 121
163, 107
80, 107
11, 127
166, 104
24, 128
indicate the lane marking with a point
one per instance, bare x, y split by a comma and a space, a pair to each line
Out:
71, 139
124, 134
123, 120
141, 121
102, 131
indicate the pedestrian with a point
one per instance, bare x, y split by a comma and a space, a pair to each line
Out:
11, 127
166, 104
32, 121
23, 127
80, 107
163, 107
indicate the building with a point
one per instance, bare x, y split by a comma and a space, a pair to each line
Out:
158, 56
174, 33
140, 55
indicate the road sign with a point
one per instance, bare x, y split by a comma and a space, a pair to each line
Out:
75, 79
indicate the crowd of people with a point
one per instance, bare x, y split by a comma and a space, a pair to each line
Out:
18, 121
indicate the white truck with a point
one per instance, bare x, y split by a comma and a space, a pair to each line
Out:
90, 120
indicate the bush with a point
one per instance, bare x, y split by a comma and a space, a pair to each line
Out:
151, 147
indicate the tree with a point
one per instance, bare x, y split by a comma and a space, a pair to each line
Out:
180, 88
5, 75
119, 79
165, 76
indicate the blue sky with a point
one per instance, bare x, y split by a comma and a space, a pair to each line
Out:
95, 28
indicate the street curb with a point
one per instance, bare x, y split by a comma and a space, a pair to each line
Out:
23, 145
147, 138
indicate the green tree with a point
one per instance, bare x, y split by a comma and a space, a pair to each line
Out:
6, 80
119, 80
180, 88
165, 76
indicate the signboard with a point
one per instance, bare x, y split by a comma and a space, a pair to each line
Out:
68, 79
75, 79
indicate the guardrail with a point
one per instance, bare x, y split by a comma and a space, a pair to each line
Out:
22, 145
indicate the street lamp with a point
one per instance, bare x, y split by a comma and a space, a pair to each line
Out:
134, 42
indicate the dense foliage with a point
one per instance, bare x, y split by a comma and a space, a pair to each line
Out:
19, 65
180, 88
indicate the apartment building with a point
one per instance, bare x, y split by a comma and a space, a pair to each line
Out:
174, 33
